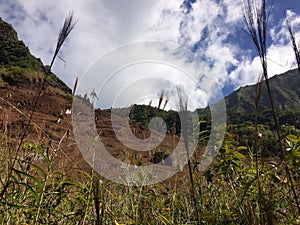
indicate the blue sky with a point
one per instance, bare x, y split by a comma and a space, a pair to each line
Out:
213, 30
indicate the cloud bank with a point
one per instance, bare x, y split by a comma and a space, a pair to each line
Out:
212, 30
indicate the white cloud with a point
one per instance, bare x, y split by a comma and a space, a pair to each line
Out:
202, 16
247, 72
280, 54
233, 9
104, 25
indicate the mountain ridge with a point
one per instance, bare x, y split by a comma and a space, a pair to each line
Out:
285, 91
18, 67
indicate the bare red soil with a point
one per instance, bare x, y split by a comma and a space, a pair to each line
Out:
51, 127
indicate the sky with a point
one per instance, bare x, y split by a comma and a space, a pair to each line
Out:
210, 33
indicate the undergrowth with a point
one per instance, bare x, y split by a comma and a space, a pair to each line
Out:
39, 193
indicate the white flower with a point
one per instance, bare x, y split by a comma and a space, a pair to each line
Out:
68, 112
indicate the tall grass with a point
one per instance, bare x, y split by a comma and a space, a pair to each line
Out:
185, 128
256, 19
293, 40
39, 193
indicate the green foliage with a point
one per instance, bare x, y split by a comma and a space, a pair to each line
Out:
293, 154
15, 53
285, 92
227, 193
293, 143
240, 104
142, 114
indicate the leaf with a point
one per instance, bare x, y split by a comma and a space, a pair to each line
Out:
238, 155
35, 195
37, 181
296, 153
237, 169
209, 176
275, 178
39, 169
293, 138
116, 223
242, 148
206, 215
40, 151
13, 205
227, 213
164, 220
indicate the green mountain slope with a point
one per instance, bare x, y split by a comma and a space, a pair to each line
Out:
240, 106
285, 89
18, 67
